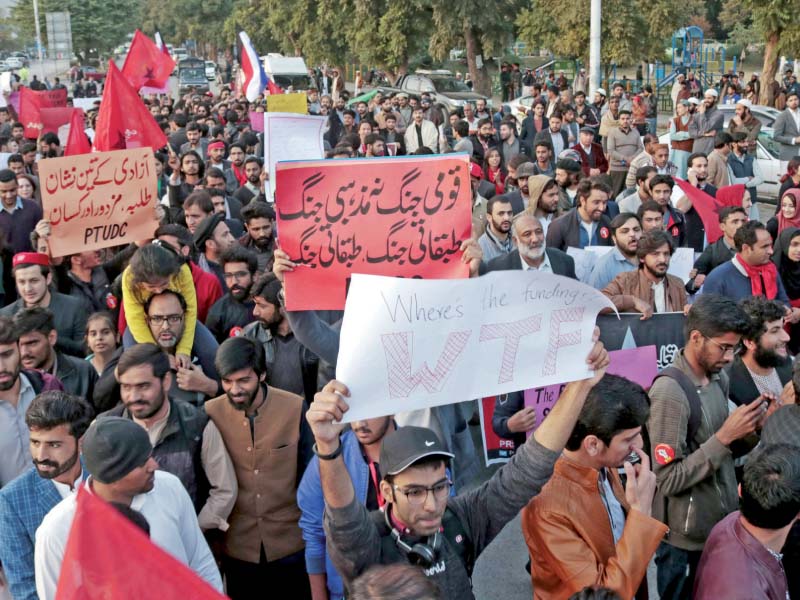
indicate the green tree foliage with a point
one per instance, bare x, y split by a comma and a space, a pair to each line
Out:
631, 30
179, 20
97, 25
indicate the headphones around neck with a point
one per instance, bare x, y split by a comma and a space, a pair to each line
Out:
420, 554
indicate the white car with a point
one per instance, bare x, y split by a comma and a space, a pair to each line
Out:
211, 70
772, 168
519, 107
14, 62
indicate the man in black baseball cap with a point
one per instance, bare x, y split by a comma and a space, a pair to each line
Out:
421, 523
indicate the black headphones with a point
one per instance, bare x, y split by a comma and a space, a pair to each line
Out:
421, 554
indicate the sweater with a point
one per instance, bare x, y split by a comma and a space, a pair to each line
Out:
727, 280
134, 309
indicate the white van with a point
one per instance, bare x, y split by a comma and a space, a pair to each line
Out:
287, 71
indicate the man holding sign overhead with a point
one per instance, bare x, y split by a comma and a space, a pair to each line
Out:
421, 524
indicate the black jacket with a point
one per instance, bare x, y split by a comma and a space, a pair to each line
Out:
564, 231
561, 263
712, 257
226, 314
743, 389
77, 376
505, 407
70, 320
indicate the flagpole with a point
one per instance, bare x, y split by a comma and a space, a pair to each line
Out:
38, 38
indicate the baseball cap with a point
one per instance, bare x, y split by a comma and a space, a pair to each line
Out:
406, 445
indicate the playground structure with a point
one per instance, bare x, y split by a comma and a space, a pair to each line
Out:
691, 52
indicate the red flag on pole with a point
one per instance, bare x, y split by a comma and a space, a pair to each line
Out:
91, 569
146, 64
32, 102
123, 120
708, 207
77, 142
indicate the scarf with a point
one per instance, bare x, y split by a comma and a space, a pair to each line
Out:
240, 175
763, 278
789, 270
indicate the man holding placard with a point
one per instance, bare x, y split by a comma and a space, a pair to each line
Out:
421, 524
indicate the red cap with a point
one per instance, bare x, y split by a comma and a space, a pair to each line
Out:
475, 170
30, 258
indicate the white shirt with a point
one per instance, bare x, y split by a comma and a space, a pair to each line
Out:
543, 267
173, 527
660, 296
64, 490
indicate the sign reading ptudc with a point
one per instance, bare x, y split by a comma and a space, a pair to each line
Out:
408, 344
99, 200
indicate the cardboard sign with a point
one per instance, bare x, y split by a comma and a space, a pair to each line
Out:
404, 217
288, 103
99, 200
408, 344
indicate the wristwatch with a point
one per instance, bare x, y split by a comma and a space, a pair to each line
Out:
330, 456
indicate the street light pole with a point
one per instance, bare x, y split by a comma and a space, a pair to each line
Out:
38, 38
595, 29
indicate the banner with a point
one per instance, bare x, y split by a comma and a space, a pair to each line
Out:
404, 217
288, 103
291, 137
662, 330
31, 104
408, 344
99, 200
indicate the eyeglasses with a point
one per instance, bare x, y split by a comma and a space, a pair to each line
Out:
418, 495
726, 348
159, 320
237, 275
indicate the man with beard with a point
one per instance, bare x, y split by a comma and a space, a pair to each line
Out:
422, 133
544, 199
649, 289
586, 224
731, 218
361, 450
622, 145
744, 166
235, 177
31, 272
166, 317
56, 422
543, 153
231, 313
187, 171
482, 140
691, 430
626, 230
259, 220
375, 146
290, 366
697, 175
531, 252
496, 240
707, 122
37, 340
185, 442
119, 458
211, 238
744, 121
252, 188
263, 547
568, 176
554, 135
510, 144
763, 367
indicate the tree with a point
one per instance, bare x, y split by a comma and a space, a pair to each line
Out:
199, 20
97, 25
778, 21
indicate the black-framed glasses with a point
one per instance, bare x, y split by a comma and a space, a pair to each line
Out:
237, 275
417, 495
159, 320
726, 348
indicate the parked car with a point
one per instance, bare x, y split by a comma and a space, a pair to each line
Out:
443, 87
767, 157
518, 107
211, 70
14, 62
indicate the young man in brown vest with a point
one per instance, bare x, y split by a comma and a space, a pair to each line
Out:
269, 442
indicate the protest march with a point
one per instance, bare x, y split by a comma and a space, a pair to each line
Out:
317, 337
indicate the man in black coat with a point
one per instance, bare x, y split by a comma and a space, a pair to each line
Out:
231, 313
721, 251
586, 224
531, 254
37, 340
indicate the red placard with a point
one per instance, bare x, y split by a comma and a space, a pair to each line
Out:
31, 104
403, 217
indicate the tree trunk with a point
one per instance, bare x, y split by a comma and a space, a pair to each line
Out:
770, 66
481, 82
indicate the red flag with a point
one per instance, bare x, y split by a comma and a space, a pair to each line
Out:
91, 569
145, 64
123, 120
31, 104
708, 207
77, 142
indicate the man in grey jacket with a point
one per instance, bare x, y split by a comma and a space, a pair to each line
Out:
707, 121
786, 127
420, 523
